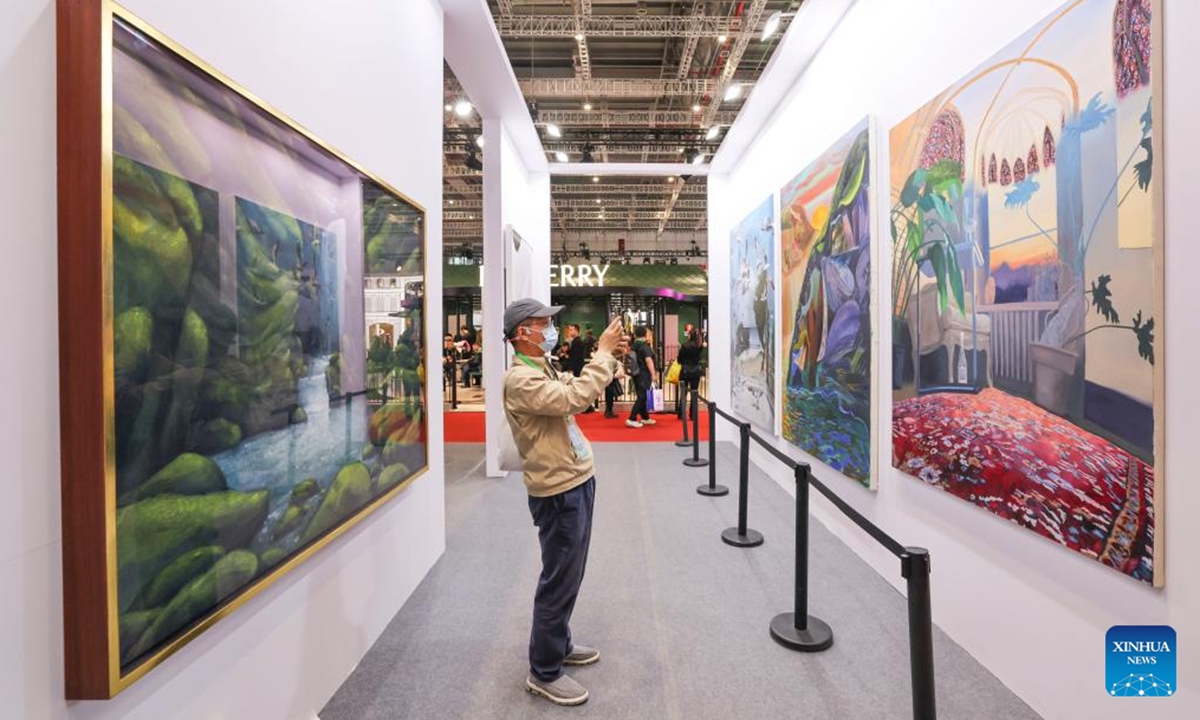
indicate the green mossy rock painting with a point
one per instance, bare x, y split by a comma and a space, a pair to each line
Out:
199, 596
179, 573
133, 335
188, 474
152, 257
132, 626
289, 522
392, 476
305, 489
351, 489
216, 435
272, 556
193, 341
153, 533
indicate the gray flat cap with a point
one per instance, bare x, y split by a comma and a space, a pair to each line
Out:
518, 311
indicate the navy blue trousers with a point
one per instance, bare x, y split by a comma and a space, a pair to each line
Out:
564, 524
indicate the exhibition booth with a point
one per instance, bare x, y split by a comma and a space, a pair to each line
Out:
946, 289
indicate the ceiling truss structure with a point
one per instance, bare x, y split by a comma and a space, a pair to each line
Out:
617, 26
632, 118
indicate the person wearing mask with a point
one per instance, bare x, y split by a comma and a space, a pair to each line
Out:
560, 479
643, 379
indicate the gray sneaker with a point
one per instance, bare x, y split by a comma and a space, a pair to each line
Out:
582, 655
563, 691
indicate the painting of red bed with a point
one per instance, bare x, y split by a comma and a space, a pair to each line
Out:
1027, 286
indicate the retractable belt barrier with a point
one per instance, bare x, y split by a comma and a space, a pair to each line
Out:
798, 630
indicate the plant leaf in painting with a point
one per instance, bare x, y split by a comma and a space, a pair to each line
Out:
1021, 193
854, 170
937, 258
1145, 337
1102, 299
1145, 168
1091, 117
912, 187
945, 178
944, 211
955, 277
1148, 119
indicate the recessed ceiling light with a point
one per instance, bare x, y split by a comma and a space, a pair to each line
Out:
579, 37
449, 107
671, 179
595, 178
462, 108
772, 24
451, 202
722, 38
733, 92
679, 150
587, 106
553, 130
479, 141
712, 132
696, 108
561, 156
598, 201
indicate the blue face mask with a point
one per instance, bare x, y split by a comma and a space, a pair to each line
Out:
549, 338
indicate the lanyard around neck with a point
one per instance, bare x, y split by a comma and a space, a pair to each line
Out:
528, 360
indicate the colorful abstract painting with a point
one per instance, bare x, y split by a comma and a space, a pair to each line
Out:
1027, 286
752, 316
825, 230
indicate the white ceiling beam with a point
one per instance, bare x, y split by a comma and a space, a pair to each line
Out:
647, 26
616, 87
662, 170
689, 47
631, 118
749, 31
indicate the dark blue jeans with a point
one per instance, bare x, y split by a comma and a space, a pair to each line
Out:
564, 524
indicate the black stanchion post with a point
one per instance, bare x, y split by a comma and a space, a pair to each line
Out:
915, 568
712, 489
683, 393
695, 460
798, 630
742, 536
453, 385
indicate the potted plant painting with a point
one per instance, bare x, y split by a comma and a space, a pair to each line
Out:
925, 225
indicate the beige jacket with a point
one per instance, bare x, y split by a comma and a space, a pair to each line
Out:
540, 404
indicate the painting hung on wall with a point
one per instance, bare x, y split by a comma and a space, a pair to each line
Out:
752, 315
1027, 286
263, 316
826, 246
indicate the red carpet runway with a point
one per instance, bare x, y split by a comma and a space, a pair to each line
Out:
467, 427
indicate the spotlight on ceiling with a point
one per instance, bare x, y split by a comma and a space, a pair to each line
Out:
587, 107
595, 178
696, 108
473, 162
463, 108
553, 130
690, 155
722, 39
674, 261
772, 25
579, 37
671, 179
713, 132
733, 92
561, 156
449, 107
479, 140
598, 201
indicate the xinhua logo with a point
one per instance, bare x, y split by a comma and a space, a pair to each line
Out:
1141, 661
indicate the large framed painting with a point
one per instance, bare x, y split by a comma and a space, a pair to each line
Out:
1027, 285
752, 316
241, 315
826, 241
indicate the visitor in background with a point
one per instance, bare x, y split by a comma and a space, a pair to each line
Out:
449, 355
589, 337
613, 391
577, 357
691, 368
643, 378
474, 367
560, 479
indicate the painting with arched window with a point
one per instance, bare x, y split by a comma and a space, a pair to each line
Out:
1027, 291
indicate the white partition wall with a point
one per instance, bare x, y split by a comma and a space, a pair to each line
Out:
364, 76
1035, 614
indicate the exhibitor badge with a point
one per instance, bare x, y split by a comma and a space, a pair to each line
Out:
1140, 661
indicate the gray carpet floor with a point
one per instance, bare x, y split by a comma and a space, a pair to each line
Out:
681, 619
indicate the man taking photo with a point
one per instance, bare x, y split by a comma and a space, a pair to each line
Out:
560, 477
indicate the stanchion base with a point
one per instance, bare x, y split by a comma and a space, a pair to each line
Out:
752, 538
696, 462
683, 443
817, 637
714, 491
